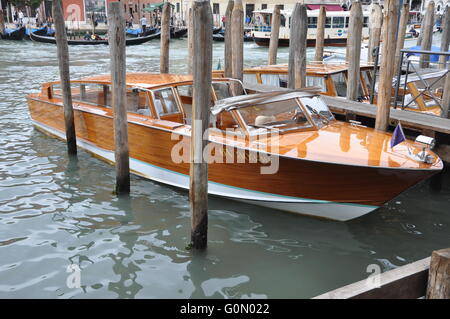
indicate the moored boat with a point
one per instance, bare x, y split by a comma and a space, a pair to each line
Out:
13, 34
282, 150
128, 41
221, 37
336, 27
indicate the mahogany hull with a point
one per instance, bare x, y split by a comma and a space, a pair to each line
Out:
324, 189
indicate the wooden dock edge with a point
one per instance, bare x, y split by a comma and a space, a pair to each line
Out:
405, 282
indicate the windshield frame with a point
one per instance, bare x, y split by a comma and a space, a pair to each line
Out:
252, 131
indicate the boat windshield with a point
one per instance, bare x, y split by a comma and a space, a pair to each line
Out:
283, 115
318, 110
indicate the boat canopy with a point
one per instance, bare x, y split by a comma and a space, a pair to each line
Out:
241, 101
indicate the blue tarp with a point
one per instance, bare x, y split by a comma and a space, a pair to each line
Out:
433, 57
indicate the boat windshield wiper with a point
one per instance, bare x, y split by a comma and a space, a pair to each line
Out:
314, 111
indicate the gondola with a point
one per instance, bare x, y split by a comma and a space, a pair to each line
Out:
128, 42
176, 33
221, 38
13, 34
134, 33
217, 30
40, 31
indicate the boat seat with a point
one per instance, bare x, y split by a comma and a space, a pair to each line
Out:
262, 119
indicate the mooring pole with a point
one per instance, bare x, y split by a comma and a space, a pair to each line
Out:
445, 39
427, 38
2, 22
202, 67
116, 31
354, 38
237, 38
165, 37
439, 275
228, 50
401, 33
387, 71
297, 47
375, 30
64, 74
190, 40
320, 37
274, 35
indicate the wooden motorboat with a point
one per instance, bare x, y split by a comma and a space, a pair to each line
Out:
331, 78
282, 150
128, 41
13, 34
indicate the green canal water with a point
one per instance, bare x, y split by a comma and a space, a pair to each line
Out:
56, 212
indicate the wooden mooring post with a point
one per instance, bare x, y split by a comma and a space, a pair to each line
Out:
401, 33
2, 22
165, 38
116, 32
320, 36
237, 38
297, 47
190, 40
445, 38
387, 71
376, 22
202, 67
64, 74
428, 277
274, 35
427, 35
439, 275
354, 38
228, 49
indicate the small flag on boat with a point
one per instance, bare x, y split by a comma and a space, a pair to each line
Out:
398, 136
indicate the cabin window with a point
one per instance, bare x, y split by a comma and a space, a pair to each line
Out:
312, 22
96, 94
328, 22
250, 78
271, 79
222, 90
318, 110
282, 115
338, 22
137, 102
185, 93
340, 84
318, 81
165, 102
263, 6
365, 22
347, 19
282, 20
